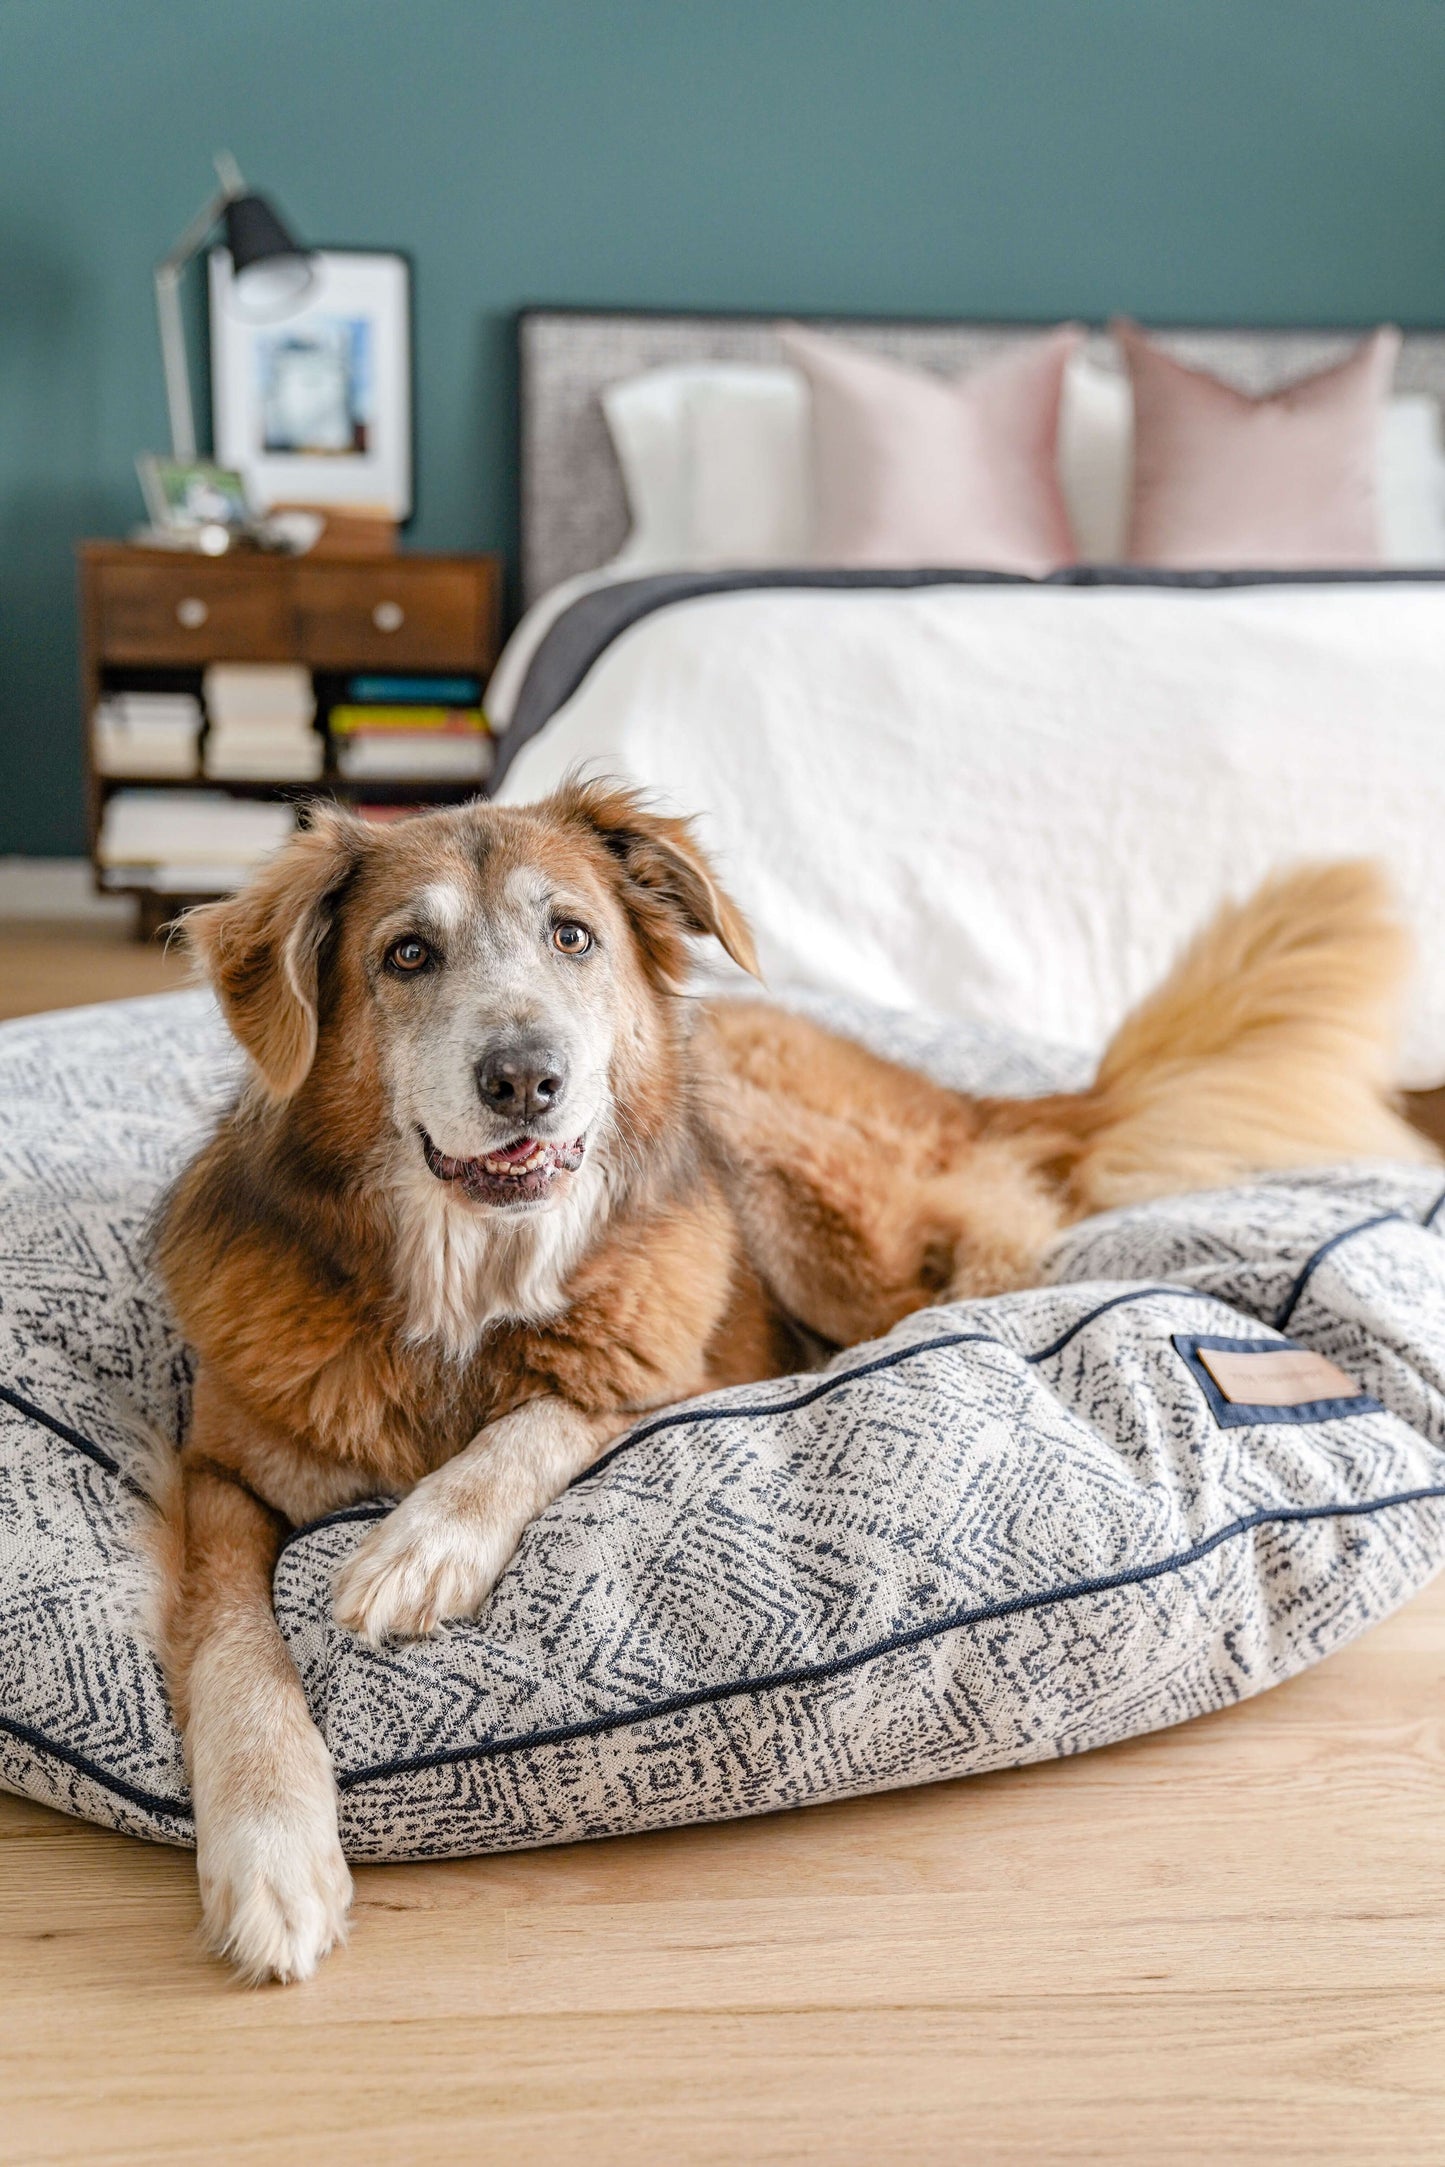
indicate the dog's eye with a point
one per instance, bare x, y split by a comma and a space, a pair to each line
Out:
408, 955
571, 939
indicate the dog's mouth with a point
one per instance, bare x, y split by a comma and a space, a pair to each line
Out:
521, 1172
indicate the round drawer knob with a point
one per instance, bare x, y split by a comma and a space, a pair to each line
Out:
191, 612
388, 616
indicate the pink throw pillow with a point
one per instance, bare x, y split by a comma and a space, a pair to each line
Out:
1223, 480
914, 469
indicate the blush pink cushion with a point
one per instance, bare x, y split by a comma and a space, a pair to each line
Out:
1222, 479
912, 469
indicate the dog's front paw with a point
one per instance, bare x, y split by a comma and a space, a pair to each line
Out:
275, 1889
425, 1562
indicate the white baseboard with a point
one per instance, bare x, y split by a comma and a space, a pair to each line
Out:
58, 888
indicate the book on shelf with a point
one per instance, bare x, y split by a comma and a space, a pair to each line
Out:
262, 720
258, 692
415, 691
258, 756
192, 878
408, 756
177, 839
433, 720
149, 734
416, 741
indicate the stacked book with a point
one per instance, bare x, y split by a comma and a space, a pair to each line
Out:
187, 842
411, 729
147, 733
262, 723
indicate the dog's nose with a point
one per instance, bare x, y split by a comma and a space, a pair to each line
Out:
522, 1082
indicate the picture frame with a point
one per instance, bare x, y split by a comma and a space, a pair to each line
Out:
315, 408
184, 495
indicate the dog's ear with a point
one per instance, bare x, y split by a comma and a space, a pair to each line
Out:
261, 949
666, 882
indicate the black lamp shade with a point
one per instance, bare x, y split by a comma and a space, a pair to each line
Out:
272, 270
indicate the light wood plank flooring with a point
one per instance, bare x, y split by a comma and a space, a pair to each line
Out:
1223, 1943
45, 965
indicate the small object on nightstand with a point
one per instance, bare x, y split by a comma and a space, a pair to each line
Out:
358, 530
193, 503
291, 528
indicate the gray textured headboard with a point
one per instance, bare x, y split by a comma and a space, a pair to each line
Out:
574, 514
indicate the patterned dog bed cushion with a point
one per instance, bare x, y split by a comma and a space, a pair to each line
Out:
1013, 1529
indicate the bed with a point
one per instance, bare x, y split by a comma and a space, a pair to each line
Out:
1001, 798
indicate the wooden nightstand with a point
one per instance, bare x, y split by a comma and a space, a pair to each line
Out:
153, 621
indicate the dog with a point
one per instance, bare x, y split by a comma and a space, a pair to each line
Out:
496, 1185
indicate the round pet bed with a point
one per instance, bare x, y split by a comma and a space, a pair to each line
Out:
1014, 1529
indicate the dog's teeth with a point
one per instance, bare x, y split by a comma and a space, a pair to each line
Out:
504, 1169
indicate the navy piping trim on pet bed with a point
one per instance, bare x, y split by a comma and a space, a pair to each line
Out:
626, 1719
882, 1361
83, 1444
812, 1674
1116, 1301
171, 1809
374, 1508
1317, 1257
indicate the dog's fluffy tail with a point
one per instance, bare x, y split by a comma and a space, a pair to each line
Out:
1269, 1044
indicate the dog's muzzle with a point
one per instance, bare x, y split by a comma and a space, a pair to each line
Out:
521, 1172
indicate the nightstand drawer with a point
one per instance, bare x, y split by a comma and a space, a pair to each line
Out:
198, 612
429, 616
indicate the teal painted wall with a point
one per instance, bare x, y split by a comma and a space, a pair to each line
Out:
1259, 160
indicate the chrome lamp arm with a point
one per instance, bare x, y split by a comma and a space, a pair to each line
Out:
169, 272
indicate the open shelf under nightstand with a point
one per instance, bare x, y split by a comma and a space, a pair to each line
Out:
152, 621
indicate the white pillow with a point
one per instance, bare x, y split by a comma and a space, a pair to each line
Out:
715, 462
1096, 432
1096, 458
646, 417
751, 455
1412, 482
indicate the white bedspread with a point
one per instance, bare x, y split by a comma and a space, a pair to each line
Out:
1012, 805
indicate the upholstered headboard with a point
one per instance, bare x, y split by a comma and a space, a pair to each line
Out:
574, 514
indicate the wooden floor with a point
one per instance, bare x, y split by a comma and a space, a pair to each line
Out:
56, 966
1223, 1943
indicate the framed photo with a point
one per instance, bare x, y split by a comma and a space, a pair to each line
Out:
185, 494
315, 407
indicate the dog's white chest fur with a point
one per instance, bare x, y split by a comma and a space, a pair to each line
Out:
462, 1270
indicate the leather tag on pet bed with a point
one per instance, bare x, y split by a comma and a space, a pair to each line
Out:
1277, 1376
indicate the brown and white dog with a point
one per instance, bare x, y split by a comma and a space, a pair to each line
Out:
496, 1186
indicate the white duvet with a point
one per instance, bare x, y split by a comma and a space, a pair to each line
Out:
1013, 804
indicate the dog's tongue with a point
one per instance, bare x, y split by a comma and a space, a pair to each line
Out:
512, 1152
